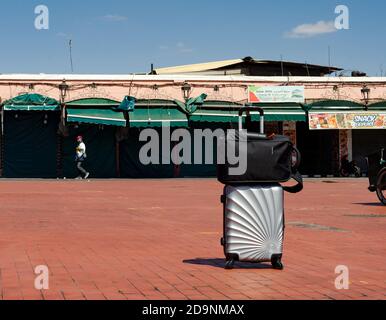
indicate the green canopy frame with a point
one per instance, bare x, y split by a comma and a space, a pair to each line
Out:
31, 102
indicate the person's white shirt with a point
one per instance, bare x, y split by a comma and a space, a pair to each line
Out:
81, 150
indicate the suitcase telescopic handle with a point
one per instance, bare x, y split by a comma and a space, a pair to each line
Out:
248, 110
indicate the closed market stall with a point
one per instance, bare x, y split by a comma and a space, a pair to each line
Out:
345, 130
97, 121
30, 137
162, 116
210, 115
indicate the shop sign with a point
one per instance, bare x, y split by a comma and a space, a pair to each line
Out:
279, 94
358, 120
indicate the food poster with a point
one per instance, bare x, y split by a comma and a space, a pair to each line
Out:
364, 120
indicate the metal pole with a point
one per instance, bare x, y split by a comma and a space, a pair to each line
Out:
329, 60
262, 124
2, 119
72, 65
2, 140
241, 123
282, 65
117, 158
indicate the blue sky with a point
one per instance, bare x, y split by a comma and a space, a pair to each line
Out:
119, 36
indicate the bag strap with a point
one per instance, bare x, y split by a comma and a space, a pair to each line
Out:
296, 165
298, 187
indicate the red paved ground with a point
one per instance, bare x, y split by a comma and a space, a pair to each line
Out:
160, 240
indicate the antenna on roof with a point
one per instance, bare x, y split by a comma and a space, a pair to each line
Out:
70, 48
282, 65
329, 60
308, 70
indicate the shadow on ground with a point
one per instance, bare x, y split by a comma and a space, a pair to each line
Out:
370, 204
220, 263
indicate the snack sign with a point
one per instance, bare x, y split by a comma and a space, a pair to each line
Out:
280, 94
363, 120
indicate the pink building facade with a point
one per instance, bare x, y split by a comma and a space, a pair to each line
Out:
233, 89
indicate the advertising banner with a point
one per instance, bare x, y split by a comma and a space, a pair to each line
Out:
278, 94
357, 120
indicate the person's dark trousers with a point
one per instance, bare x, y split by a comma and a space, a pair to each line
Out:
81, 170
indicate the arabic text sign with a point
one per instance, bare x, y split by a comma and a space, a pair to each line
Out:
359, 120
281, 94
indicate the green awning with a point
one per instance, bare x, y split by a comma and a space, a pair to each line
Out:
282, 114
157, 117
31, 102
104, 116
378, 106
213, 115
95, 111
335, 105
292, 113
92, 102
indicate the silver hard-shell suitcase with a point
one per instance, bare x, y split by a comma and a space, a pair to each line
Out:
253, 224
253, 220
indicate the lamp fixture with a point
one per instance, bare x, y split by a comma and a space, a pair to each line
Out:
186, 89
63, 87
366, 95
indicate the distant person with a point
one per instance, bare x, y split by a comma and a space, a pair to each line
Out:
80, 158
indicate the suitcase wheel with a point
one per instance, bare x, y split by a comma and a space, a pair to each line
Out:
276, 262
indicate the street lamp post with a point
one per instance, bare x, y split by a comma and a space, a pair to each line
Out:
63, 87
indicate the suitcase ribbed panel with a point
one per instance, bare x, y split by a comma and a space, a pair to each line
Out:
254, 222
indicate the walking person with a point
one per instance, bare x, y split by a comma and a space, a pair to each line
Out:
80, 158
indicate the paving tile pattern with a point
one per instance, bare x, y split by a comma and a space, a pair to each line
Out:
160, 239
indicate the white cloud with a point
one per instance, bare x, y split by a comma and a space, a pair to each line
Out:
182, 48
311, 30
114, 18
186, 50
62, 35
179, 47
